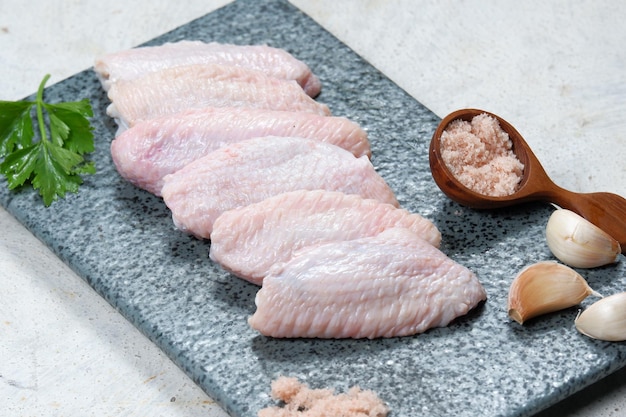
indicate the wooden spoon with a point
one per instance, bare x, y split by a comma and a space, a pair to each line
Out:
605, 210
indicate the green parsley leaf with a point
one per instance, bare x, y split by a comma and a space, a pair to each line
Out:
69, 125
19, 165
53, 172
53, 166
16, 128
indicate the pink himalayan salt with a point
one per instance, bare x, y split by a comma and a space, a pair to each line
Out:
479, 154
301, 401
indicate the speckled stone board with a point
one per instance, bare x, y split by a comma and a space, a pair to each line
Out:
122, 241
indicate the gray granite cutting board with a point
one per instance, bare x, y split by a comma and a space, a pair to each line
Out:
122, 241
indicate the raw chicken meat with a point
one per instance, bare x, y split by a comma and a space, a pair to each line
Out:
148, 151
175, 89
275, 62
249, 171
249, 240
392, 284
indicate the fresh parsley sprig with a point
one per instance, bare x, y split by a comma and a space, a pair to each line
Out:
51, 164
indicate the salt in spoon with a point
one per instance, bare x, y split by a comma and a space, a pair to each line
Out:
605, 210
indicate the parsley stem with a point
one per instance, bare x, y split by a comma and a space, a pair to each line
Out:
42, 126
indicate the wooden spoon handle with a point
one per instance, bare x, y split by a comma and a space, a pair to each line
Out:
605, 210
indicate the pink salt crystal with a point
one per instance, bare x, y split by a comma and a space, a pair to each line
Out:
301, 401
480, 156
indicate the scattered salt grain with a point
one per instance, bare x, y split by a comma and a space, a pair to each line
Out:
480, 156
301, 401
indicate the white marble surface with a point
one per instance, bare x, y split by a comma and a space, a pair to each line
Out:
552, 69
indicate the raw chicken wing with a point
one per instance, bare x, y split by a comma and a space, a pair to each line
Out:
249, 171
275, 62
151, 149
392, 284
249, 240
175, 89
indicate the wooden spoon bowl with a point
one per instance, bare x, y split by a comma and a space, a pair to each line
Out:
605, 210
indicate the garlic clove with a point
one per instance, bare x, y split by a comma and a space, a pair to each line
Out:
605, 319
543, 288
577, 242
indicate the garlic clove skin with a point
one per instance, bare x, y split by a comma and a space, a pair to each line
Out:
545, 287
579, 243
605, 319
